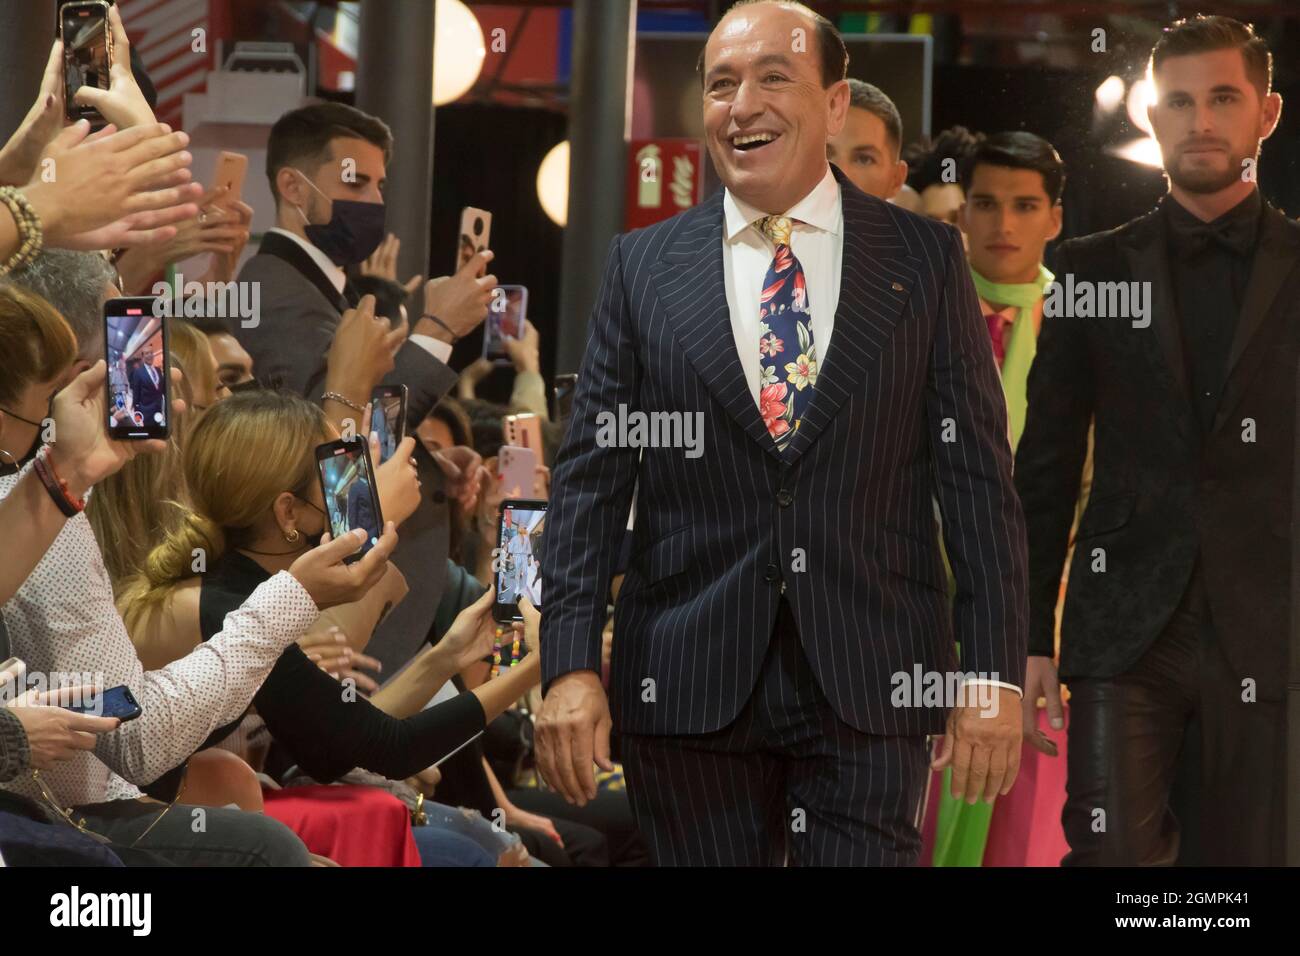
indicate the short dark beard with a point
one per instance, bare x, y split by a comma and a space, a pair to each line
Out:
1205, 184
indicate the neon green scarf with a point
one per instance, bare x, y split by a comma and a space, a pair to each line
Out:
1022, 345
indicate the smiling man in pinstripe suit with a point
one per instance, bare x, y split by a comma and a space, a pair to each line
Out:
784, 582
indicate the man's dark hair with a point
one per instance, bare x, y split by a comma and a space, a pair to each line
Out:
866, 96
1202, 34
834, 54
926, 160
303, 136
1017, 149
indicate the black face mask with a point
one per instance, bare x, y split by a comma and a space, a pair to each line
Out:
354, 231
313, 540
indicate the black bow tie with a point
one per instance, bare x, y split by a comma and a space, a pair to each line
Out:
1236, 234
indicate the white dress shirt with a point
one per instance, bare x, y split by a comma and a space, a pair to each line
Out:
817, 242
338, 278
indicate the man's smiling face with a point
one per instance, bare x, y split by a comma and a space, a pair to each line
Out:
766, 114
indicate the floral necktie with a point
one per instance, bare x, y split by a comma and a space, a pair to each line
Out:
787, 355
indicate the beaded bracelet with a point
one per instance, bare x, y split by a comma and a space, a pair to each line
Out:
31, 237
64, 499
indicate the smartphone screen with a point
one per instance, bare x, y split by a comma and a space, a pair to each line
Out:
517, 561
388, 418
505, 320
564, 387
475, 228
116, 702
86, 47
347, 482
139, 373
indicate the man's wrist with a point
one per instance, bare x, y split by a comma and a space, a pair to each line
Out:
434, 327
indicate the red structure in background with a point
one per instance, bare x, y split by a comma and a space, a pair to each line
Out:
176, 40
663, 178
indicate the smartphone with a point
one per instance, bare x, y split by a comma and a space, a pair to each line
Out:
475, 227
347, 482
517, 559
524, 431
563, 389
517, 471
231, 168
388, 418
87, 53
116, 702
505, 320
136, 349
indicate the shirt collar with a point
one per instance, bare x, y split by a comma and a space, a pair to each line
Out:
1242, 218
334, 273
821, 209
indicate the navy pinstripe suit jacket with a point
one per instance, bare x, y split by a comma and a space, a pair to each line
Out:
907, 405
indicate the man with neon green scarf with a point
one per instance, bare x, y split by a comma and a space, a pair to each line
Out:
1012, 209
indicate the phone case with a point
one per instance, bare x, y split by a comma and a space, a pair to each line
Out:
475, 229
524, 430
516, 471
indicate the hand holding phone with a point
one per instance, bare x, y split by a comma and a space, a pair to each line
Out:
388, 418
506, 318
517, 472
116, 702
230, 172
87, 54
347, 481
475, 230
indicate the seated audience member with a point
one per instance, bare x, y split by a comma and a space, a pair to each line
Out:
62, 619
934, 170
251, 474
867, 148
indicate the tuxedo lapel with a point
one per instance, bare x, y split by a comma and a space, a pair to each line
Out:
1277, 258
877, 273
692, 289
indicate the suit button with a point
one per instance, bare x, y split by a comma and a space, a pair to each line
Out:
773, 573
784, 497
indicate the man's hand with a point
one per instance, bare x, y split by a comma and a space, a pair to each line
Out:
460, 301
362, 352
383, 263
982, 743
329, 581
397, 480
1041, 681
122, 103
572, 733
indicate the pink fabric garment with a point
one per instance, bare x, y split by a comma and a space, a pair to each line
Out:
1026, 825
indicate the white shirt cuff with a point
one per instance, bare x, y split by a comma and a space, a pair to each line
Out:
436, 347
994, 683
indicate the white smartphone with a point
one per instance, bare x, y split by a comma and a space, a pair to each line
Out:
523, 431
516, 471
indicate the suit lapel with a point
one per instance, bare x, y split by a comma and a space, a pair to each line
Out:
692, 289
877, 274
274, 244
1277, 257
1145, 251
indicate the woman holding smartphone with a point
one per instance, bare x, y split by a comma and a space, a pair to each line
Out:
257, 504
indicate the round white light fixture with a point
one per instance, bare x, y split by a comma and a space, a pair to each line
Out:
553, 183
1111, 93
458, 51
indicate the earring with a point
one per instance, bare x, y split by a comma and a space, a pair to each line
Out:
13, 462
292, 536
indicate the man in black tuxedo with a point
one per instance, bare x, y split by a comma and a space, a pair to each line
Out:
147, 389
785, 582
326, 163
1174, 635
